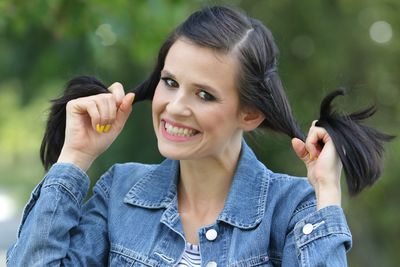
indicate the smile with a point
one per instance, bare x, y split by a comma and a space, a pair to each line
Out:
177, 132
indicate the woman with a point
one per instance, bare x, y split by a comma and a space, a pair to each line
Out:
211, 202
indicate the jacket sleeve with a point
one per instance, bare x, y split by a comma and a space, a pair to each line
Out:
56, 229
318, 238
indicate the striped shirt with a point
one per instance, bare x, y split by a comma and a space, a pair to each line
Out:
191, 256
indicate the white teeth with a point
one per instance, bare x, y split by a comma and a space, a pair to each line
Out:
173, 130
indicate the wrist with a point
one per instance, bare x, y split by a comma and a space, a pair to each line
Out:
328, 195
79, 159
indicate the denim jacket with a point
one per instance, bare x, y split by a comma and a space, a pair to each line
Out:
132, 219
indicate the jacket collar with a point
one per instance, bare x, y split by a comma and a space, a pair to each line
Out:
244, 206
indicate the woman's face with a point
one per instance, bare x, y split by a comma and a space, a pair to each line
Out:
196, 104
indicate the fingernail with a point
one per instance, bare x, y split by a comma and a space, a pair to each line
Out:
107, 128
98, 128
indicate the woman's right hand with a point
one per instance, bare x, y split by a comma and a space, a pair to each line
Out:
93, 123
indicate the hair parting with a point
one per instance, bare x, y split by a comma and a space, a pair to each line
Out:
223, 29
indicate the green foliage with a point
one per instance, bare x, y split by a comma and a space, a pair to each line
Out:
324, 44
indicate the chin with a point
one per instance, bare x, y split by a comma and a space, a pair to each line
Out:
170, 152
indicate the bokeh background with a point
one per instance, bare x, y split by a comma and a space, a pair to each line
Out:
324, 44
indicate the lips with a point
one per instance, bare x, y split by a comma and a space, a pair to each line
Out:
177, 132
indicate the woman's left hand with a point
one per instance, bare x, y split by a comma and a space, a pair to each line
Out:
323, 165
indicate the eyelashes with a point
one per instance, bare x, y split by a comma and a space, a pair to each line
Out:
205, 95
169, 82
201, 93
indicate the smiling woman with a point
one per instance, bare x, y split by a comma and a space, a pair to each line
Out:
197, 92
216, 78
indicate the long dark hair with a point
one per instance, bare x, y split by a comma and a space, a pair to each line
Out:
226, 30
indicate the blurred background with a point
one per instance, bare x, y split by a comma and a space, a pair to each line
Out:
324, 44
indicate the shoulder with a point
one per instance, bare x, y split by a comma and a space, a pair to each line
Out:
123, 176
131, 171
291, 193
288, 185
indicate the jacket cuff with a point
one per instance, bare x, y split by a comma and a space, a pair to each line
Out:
71, 178
324, 222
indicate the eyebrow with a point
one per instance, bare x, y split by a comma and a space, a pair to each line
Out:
203, 86
167, 73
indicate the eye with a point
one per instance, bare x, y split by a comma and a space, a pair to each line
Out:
170, 82
205, 96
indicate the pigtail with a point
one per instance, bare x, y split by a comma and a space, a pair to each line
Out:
278, 112
360, 147
81, 86
53, 139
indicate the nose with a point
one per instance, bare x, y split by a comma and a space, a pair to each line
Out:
178, 106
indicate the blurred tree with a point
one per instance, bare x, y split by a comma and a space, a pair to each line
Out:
324, 44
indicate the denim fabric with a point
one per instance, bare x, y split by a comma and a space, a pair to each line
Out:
132, 219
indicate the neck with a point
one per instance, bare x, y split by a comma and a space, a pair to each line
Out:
204, 183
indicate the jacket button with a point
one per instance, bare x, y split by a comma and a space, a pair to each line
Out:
211, 235
308, 228
211, 264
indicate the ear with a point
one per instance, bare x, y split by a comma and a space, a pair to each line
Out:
250, 119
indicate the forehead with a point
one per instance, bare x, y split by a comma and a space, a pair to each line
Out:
191, 62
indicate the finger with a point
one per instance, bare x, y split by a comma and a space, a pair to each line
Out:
126, 105
311, 143
112, 105
93, 113
85, 106
96, 107
124, 109
104, 109
299, 148
314, 122
118, 91
315, 136
112, 109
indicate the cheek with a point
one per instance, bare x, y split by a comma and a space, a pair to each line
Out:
157, 100
214, 119
221, 120
156, 107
